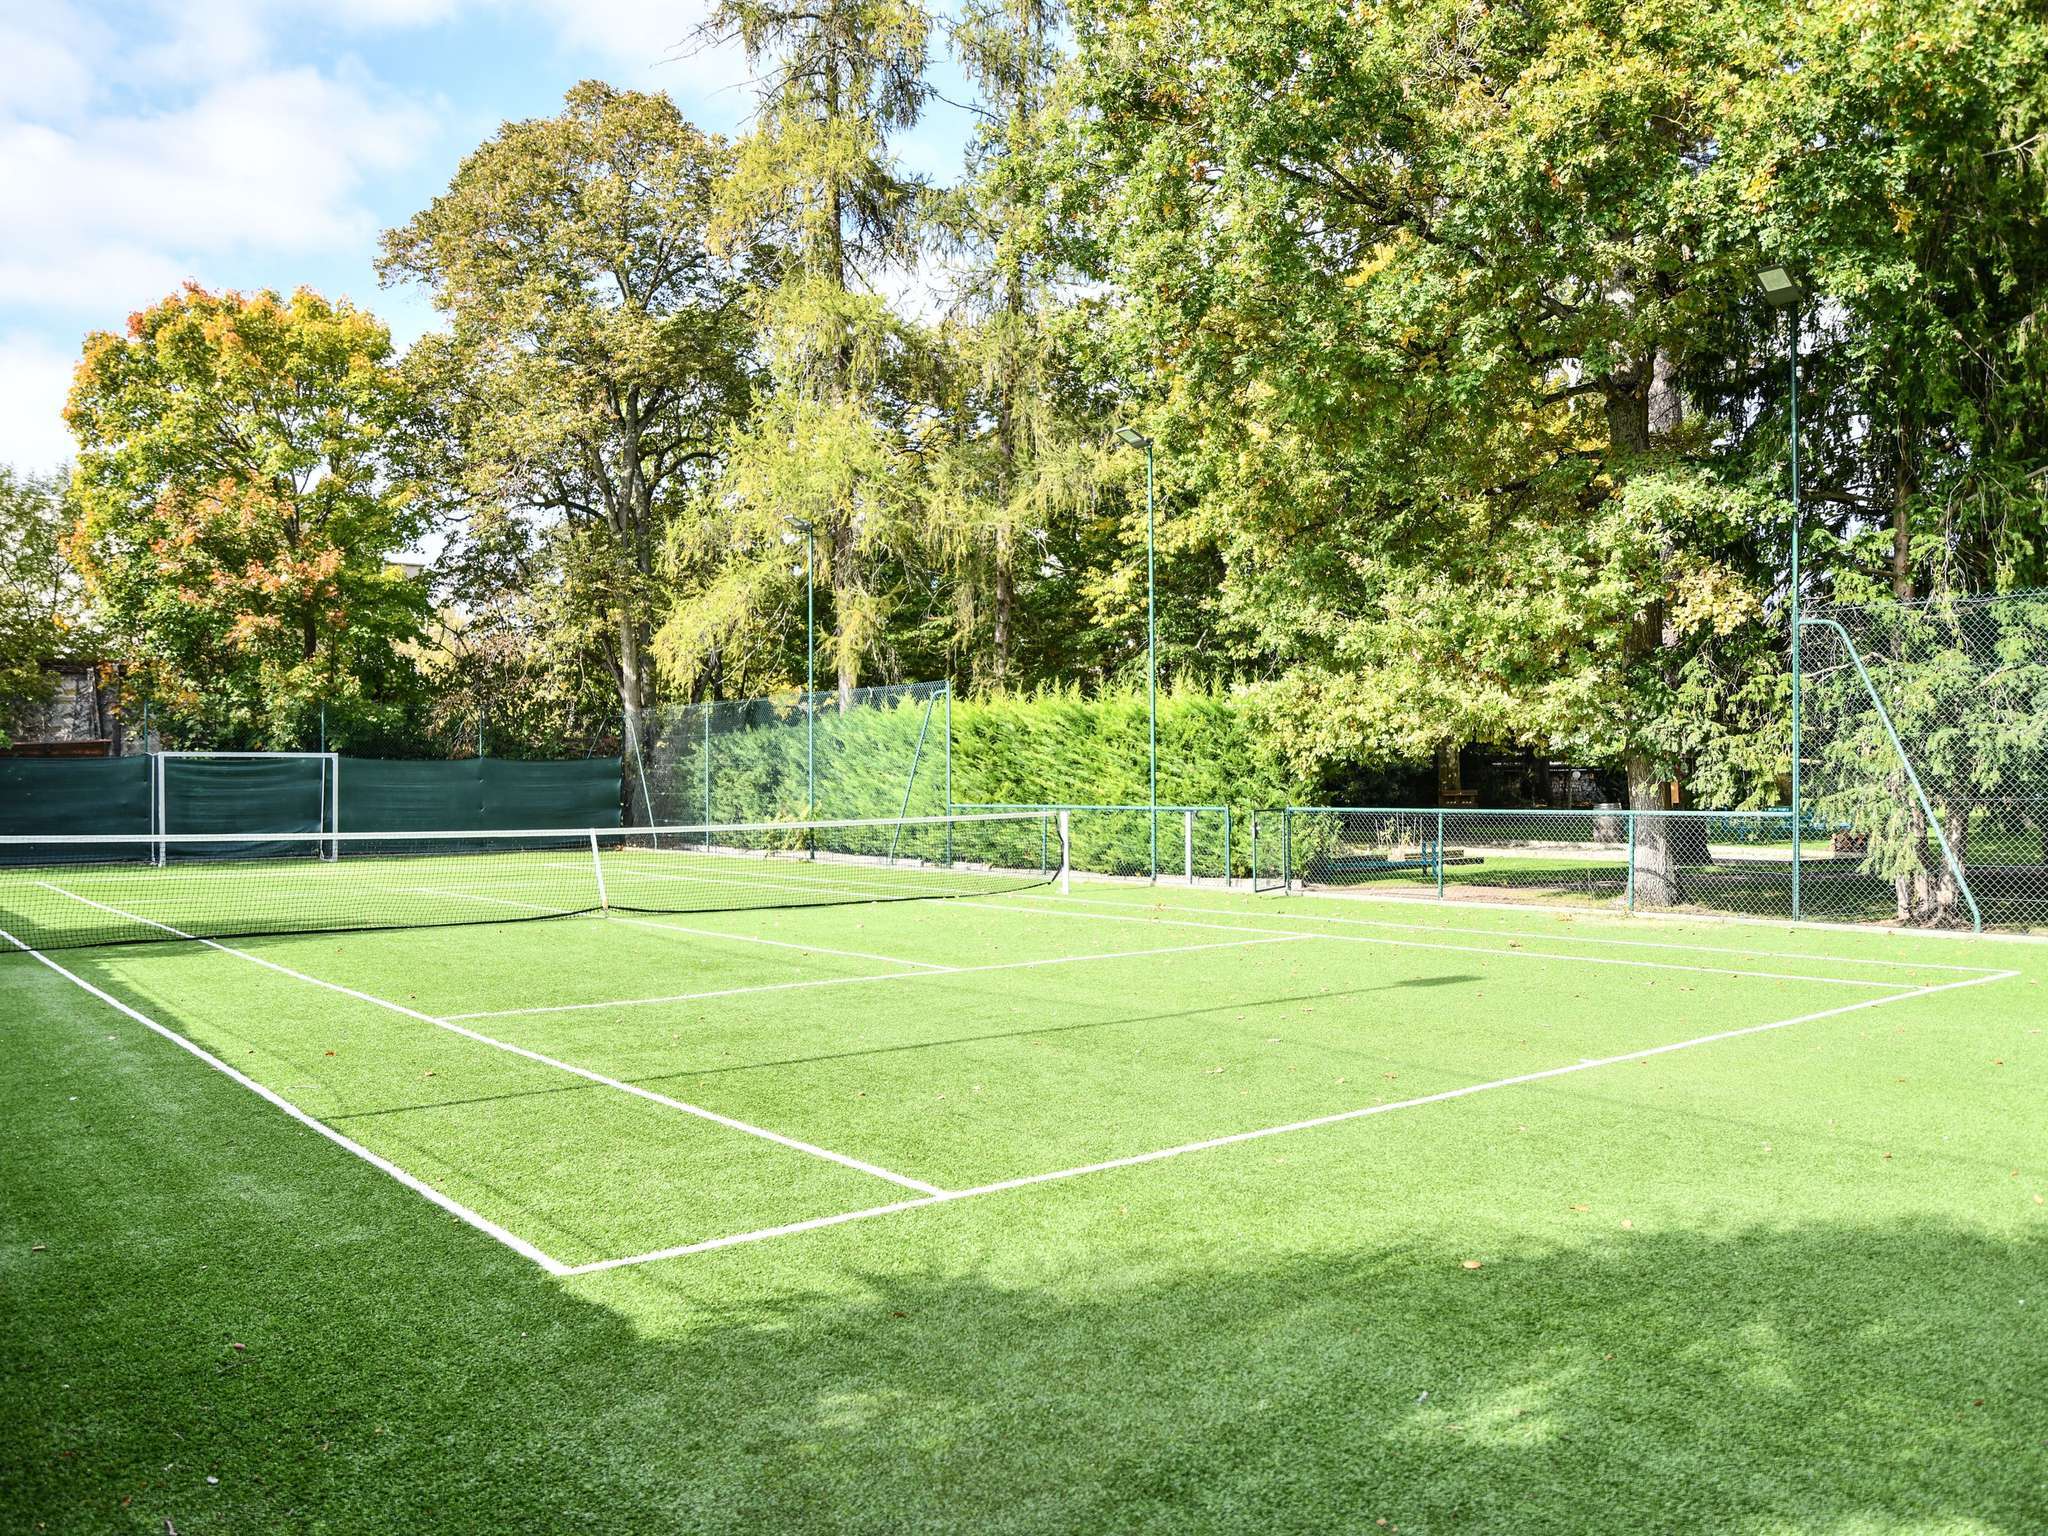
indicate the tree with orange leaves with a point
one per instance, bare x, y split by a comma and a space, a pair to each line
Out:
237, 511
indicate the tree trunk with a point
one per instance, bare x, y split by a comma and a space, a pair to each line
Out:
1006, 603
1656, 868
635, 705
845, 607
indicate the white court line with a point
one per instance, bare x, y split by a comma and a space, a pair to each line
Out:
483, 1224
1653, 915
849, 981
1466, 949
886, 891
519, 1050
788, 1229
1508, 933
708, 933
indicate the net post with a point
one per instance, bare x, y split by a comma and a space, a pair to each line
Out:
1439, 859
334, 825
597, 869
156, 805
1066, 861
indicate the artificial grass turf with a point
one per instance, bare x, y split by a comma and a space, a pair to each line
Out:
1793, 1331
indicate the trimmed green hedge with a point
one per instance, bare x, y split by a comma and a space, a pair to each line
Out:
1054, 747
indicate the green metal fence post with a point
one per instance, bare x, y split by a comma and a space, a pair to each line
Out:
1631, 861
1286, 850
1439, 852
1226, 847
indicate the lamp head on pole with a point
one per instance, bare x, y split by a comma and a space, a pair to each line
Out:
1133, 438
1780, 288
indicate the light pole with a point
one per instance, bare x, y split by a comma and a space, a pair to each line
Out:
1133, 438
810, 670
1781, 290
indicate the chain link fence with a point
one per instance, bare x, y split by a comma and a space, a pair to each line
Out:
1189, 844
1924, 750
872, 752
1731, 862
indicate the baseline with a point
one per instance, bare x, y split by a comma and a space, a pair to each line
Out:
1521, 933
1466, 949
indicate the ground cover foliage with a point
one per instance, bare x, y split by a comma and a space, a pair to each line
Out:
1783, 1284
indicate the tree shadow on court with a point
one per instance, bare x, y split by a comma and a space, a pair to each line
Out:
1819, 1378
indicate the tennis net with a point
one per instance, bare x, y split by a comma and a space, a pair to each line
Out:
71, 892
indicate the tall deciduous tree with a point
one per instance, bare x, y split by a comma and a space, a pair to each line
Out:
41, 613
1022, 421
836, 446
236, 511
1424, 279
598, 349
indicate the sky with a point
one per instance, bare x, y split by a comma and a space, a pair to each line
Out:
268, 143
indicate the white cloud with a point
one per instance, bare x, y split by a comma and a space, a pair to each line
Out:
34, 378
271, 163
48, 49
635, 33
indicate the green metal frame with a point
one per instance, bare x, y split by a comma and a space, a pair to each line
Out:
1948, 853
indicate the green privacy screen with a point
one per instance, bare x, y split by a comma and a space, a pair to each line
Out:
477, 794
65, 797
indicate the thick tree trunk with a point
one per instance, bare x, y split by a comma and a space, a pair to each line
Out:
636, 702
1656, 866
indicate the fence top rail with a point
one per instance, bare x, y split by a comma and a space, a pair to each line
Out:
1072, 805
1019, 815
1774, 813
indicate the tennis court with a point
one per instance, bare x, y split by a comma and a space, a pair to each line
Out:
782, 1047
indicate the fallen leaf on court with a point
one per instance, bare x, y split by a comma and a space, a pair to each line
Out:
1471, 1263
1628, 1226
1582, 1207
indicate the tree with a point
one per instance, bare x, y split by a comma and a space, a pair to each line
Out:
1021, 460
40, 610
597, 354
1421, 284
837, 446
236, 512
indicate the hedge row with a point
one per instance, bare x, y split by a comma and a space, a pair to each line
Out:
1048, 748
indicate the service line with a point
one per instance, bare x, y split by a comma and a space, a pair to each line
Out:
815, 1223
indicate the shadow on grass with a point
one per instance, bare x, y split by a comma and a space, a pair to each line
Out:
1819, 1379
403, 1374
